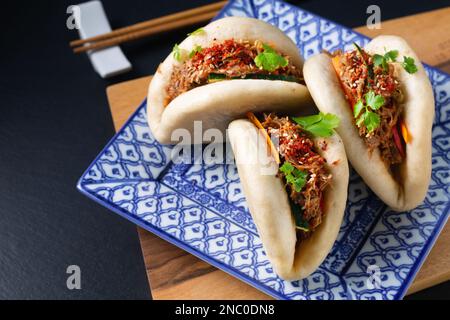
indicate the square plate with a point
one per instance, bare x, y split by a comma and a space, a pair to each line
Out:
201, 208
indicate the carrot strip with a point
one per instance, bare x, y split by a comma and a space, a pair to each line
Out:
251, 116
336, 63
405, 133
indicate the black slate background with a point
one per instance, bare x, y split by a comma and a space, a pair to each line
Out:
54, 119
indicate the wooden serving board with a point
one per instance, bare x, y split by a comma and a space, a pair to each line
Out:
176, 274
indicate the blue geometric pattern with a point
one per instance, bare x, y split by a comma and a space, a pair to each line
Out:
201, 208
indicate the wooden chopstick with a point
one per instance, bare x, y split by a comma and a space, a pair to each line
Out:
150, 27
145, 32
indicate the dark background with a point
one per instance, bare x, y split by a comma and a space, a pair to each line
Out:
55, 119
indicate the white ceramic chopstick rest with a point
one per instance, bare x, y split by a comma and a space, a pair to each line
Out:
92, 21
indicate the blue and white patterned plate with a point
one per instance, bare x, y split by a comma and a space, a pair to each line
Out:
202, 208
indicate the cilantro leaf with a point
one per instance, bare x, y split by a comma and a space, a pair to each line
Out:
409, 65
391, 55
378, 60
290, 178
320, 125
299, 179
300, 182
319, 130
308, 120
357, 108
299, 173
269, 60
197, 32
330, 120
295, 177
361, 119
287, 168
196, 49
362, 112
375, 102
371, 120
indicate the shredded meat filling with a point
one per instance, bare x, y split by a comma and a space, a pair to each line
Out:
233, 59
355, 76
298, 149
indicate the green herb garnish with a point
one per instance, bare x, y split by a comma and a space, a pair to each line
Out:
371, 120
391, 55
295, 177
357, 108
375, 102
197, 32
196, 49
320, 125
363, 114
379, 60
176, 51
409, 65
270, 60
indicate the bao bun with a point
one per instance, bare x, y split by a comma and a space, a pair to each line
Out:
269, 206
216, 104
410, 188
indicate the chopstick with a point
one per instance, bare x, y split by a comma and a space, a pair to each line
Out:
145, 32
148, 28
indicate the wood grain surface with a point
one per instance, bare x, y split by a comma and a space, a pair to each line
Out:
176, 274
